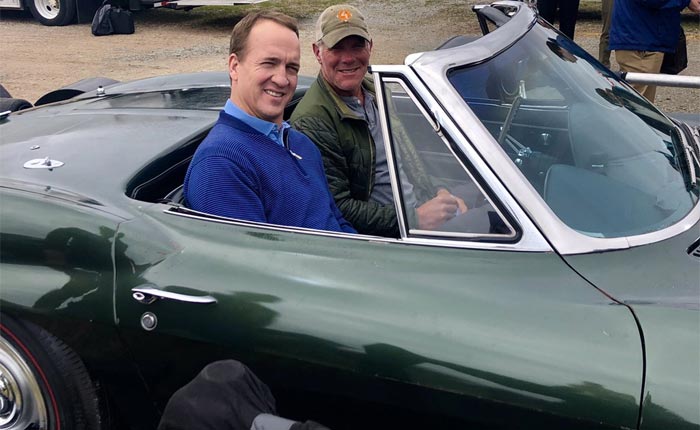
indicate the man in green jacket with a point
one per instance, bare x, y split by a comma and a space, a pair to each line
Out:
339, 114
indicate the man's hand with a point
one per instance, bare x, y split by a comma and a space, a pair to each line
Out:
441, 208
462, 206
694, 6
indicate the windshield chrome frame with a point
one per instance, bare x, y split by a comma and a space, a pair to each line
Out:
432, 67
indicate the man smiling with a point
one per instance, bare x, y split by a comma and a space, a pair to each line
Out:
252, 166
339, 114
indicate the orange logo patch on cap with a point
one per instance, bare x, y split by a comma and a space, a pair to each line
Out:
344, 15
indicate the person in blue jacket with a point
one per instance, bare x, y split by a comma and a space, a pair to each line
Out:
252, 165
642, 31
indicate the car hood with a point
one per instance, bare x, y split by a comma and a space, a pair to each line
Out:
665, 273
692, 119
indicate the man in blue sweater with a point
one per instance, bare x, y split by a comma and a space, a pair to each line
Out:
252, 165
642, 31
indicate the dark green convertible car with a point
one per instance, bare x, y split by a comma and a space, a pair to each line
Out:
567, 296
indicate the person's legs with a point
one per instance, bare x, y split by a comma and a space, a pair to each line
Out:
603, 46
641, 62
568, 13
225, 395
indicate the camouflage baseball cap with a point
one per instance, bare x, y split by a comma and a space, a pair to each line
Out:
338, 22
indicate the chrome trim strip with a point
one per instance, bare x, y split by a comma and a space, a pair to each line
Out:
458, 235
191, 214
487, 246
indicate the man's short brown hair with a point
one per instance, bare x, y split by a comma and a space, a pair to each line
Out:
241, 31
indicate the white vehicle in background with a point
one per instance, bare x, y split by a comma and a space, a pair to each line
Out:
64, 12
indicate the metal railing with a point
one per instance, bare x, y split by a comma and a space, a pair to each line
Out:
662, 79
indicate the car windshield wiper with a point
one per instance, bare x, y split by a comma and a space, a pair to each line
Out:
690, 151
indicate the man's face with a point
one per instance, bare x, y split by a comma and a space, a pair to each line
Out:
264, 80
344, 65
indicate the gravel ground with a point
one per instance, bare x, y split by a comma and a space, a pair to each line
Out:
37, 59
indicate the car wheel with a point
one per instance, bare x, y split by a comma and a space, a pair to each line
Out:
13, 105
43, 383
53, 12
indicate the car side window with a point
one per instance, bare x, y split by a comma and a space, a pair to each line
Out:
427, 169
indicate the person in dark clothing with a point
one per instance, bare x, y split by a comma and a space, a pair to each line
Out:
227, 395
568, 12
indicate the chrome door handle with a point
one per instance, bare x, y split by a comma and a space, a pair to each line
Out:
147, 295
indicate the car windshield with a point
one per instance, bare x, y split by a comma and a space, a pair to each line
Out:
602, 157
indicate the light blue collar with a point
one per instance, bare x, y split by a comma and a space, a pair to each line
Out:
267, 128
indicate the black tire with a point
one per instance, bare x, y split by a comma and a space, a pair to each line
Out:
53, 12
13, 105
47, 377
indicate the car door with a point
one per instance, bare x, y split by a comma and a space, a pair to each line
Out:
476, 322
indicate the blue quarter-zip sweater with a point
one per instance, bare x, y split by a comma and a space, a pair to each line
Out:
239, 172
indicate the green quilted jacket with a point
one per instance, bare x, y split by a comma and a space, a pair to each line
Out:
348, 154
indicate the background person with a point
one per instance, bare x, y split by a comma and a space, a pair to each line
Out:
251, 165
568, 13
604, 43
642, 31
